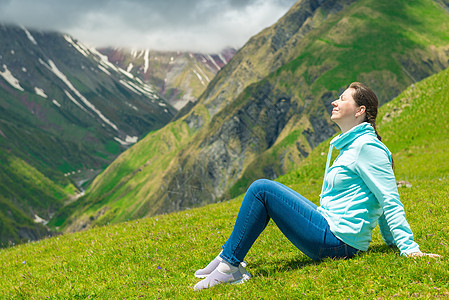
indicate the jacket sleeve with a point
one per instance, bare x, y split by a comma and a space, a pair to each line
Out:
375, 168
385, 231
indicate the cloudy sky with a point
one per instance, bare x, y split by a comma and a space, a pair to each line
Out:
195, 25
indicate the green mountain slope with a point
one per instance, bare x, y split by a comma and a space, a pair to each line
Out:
269, 107
27, 200
157, 257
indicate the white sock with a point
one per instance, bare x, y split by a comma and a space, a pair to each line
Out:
226, 268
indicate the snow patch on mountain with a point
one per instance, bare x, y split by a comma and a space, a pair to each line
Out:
74, 100
201, 71
222, 58
126, 73
136, 53
52, 67
104, 70
56, 103
40, 92
14, 82
130, 67
213, 61
123, 82
38, 219
81, 48
132, 106
146, 61
199, 77
128, 140
104, 61
30, 37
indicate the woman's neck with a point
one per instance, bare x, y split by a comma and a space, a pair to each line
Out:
345, 127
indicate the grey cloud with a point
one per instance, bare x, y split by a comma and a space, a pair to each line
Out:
181, 24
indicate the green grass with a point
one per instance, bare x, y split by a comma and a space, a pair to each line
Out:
155, 258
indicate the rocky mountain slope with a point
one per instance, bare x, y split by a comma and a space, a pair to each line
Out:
65, 112
53, 86
270, 105
180, 77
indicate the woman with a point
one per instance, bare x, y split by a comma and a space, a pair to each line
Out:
359, 191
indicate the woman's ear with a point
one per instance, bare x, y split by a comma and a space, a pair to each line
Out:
360, 110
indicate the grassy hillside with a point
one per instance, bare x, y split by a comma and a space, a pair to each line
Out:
26, 196
269, 107
143, 166
156, 257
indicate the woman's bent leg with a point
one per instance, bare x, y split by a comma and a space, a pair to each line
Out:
295, 216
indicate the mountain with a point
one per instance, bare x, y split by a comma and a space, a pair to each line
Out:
58, 92
266, 110
179, 77
65, 113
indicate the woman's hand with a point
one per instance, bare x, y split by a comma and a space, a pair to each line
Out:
421, 254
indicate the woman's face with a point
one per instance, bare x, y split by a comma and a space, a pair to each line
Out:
346, 113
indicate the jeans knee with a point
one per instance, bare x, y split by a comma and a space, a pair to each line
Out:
259, 184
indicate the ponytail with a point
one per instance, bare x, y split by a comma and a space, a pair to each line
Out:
373, 123
363, 95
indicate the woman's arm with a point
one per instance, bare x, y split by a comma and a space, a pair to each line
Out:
374, 167
385, 231
389, 240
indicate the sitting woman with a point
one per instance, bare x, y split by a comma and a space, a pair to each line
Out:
359, 191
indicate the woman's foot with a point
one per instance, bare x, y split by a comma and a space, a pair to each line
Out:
203, 273
224, 273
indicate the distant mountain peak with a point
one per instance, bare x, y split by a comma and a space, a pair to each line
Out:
180, 77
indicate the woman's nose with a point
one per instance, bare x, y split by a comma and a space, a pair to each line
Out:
334, 103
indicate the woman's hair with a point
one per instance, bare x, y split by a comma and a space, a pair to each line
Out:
365, 96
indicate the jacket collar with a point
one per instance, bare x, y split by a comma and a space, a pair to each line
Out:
349, 136
344, 139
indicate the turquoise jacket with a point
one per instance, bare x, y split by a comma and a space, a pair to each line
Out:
359, 191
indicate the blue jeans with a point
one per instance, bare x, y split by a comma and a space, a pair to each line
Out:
296, 217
